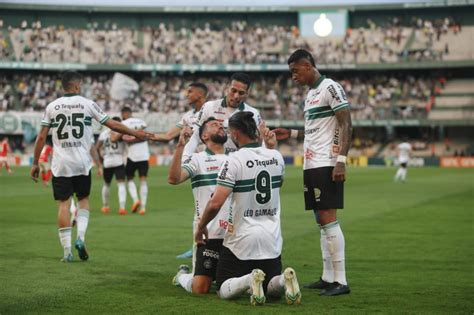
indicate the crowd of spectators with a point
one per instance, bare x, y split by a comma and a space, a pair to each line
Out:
374, 97
238, 42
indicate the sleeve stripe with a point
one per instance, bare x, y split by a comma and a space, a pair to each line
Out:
225, 184
188, 169
45, 123
107, 117
341, 106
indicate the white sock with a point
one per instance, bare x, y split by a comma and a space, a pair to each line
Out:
105, 195
122, 195
143, 193
404, 174
276, 286
336, 246
132, 190
399, 173
65, 239
82, 221
73, 208
234, 287
186, 281
328, 270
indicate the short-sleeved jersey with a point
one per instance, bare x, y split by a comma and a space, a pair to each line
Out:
70, 118
139, 151
189, 119
404, 150
220, 111
255, 174
203, 168
45, 153
113, 150
4, 148
321, 130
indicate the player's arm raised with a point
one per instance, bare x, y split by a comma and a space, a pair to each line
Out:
176, 174
166, 137
39, 144
344, 121
283, 134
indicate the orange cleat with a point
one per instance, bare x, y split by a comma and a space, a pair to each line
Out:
142, 212
122, 211
135, 206
105, 210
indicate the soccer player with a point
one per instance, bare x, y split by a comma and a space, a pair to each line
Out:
4, 149
196, 95
112, 165
70, 118
45, 166
138, 154
202, 170
403, 153
222, 109
327, 138
251, 253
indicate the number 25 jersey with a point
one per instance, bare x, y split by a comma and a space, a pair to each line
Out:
70, 120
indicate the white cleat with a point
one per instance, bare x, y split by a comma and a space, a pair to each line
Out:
258, 296
181, 270
292, 288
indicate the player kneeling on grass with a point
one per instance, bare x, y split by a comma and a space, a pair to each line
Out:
70, 120
251, 253
202, 169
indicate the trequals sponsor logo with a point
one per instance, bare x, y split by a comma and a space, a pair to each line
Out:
265, 163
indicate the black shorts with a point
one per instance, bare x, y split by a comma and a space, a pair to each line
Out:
404, 165
141, 166
230, 266
118, 171
65, 187
320, 191
207, 257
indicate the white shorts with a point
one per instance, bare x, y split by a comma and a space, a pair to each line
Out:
3, 159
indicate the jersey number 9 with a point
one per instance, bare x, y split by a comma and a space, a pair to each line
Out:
263, 186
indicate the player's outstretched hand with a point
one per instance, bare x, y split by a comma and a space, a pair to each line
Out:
34, 173
185, 135
268, 136
339, 172
282, 133
141, 135
201, 236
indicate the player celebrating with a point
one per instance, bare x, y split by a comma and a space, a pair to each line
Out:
327, 137
137, 160
4, 149
251, 253
70, 117
404, 153
112, 165
222, 109
196, 95
202, 169
44, 164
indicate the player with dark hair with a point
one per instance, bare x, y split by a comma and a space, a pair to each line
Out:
327, 138
251, 253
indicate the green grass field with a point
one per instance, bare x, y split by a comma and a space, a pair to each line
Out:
409, 249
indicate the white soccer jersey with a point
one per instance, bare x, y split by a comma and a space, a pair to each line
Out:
113, 151
203, 168
321, 130
404, 150
139, 151
189, 119
70, 118
220, 111
255, 174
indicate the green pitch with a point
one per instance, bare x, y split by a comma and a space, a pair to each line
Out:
409, 249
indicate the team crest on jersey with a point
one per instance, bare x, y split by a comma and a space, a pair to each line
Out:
317, 194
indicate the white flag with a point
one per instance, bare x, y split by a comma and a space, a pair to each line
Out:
122, 86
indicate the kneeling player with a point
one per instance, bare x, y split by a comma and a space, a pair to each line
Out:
202, 169
251, 254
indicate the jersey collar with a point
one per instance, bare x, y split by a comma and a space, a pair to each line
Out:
251, 145
318, 82
209, 152
241, 106
70, 94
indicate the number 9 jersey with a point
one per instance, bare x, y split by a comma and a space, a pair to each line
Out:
70, 120
255, 175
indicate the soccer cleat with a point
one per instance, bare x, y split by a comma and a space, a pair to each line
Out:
336, 289
320, 284
122, 211
181, 270
292, 288
135, 206
68, 258
258, 296
187, 254
105, 210
142, 211
81, 250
